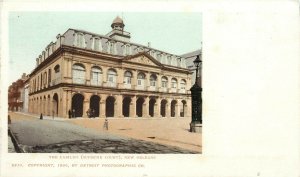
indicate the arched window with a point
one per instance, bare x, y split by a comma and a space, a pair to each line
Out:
111, 78
127, 50
127, 77
182, 84
79, 40
164, 82
111, 47
78, 74
153, 80
57, 74
96, 44
141, 80
174, 83
96, 76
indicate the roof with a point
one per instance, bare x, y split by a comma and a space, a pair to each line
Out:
118, 20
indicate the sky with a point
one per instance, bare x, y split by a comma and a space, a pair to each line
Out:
31, 32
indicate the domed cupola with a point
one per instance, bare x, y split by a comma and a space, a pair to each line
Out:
117, 31
117, 24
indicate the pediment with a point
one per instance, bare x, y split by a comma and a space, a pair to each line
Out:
144, 59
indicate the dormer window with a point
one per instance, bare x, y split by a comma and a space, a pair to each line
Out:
96, 44
79, 40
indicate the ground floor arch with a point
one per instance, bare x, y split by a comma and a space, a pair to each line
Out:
110, 106
183, 109
94, 105
139, 106
55, 105
126, 106
173, 107
77, 105
163, 106
151, 107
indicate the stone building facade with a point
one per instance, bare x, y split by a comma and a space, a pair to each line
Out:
110, 75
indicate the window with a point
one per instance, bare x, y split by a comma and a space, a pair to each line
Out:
127, 50
111, 77
182, 84
111, 47
127, 77
169, 60
141, 79
96, 44
164, 82
174, 83
153, 80
78, 74
49, 77
79, 40
96, 76
178, 62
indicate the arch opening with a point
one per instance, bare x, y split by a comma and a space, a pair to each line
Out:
77, 105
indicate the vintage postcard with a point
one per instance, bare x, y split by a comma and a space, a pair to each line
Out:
146, 88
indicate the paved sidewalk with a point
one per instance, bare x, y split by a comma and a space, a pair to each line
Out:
11, 148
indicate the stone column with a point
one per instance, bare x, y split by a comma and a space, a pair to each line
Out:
147, 81
119, 107
188, 107
177, 108
132, 109
146, 108
70, 66
88, 73
134, 79
86, 106
169, 84
64, 105
102, 106
157, 108
178, 84
168, 108
120, 78
69, 102
104, 75
158, 84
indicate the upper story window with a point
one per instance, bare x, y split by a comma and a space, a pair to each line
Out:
79, 40
164, 82
56, 74
182, 84
57, 69
112, 77
96, 44
141, 79
174, 83
153, 79
96, 75
158, 57
111, 47
127, 77
169, 58
78, 73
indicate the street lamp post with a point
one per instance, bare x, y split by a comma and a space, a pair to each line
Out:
196, 90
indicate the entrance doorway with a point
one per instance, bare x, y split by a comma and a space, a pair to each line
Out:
110, 106
94, 105
126, 106
77, 104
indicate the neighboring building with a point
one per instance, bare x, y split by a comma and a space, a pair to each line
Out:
190, 57
16, 95
109, 74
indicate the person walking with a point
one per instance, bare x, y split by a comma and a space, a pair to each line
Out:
105, 125
70, 113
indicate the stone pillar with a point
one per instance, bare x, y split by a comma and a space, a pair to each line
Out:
147, 82
86, 106
178, 84
120, 78
64, 105
88, 74
51, 105
104, 75
119, 107
146, 108
102, 106
188, 107
134, 79
168, 108
169, 83
177, 108
132, 109
158, 84
157, 108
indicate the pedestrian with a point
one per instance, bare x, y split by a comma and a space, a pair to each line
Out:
41, 117
73, 113
93, 113
70, 113
9, 120
105, 125
88, 113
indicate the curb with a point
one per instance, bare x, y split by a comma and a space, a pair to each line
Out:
15, 142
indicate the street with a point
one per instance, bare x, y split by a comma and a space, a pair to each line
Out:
35, 135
